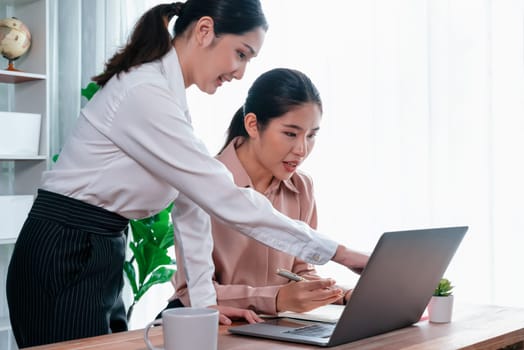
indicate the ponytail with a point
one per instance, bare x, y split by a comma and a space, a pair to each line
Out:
149, 41
273, 94
236, 128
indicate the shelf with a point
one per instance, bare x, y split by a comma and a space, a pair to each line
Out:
16, 2
7, 241
15, 77
5, 325
9, 157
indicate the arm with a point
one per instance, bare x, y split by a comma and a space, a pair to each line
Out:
308, 214
260, 299
352, 259
193, 250
155, 132
305, 296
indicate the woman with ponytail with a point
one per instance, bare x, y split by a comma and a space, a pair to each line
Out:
268, 139
131, 154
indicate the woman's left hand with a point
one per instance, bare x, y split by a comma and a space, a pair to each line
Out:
352, 259
347, 295
229, 313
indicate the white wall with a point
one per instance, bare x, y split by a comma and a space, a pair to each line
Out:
423, 125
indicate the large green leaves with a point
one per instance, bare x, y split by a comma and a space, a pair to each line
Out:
151, 238
160, 275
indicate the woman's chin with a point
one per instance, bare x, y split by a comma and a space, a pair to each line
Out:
208, 89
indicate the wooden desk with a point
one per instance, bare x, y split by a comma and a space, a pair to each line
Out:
473, 327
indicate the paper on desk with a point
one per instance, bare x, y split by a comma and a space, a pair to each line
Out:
327, 313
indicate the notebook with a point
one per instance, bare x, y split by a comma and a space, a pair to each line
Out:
328, 313
392, 292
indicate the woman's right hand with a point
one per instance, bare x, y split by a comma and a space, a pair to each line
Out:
307, 295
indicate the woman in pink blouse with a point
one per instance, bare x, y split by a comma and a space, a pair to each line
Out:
269, 137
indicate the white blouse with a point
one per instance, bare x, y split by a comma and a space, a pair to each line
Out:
133, 151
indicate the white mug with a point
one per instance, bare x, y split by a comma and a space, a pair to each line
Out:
186, 328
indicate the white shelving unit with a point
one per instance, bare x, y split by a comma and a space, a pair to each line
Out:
8, 343
23, 91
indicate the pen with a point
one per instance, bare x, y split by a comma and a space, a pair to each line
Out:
290, 275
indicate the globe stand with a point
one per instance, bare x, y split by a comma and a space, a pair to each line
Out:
11, 66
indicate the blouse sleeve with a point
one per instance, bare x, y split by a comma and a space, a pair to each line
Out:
259, 299
300, 267
150, 128
194, 251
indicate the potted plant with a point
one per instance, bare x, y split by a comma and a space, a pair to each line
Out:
440, 307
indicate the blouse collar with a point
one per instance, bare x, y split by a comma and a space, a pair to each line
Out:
230, 159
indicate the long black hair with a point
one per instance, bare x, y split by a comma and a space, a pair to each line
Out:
272, 95
151, 39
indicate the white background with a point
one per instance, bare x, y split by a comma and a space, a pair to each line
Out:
423, 126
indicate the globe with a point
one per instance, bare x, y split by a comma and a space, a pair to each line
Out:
15, 39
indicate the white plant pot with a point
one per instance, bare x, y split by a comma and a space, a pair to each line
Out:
440, 309
19, 134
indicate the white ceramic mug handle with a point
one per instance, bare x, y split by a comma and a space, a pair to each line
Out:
146, 334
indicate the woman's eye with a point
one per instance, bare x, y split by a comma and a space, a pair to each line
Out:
290, 134
241, 55
312, 136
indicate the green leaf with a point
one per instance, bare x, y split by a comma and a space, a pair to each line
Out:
141, 261
151, 237
141, 230
90, 90
168, 240
154, 257
444, 288
129, 269
160, 275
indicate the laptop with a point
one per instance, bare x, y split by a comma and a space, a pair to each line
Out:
391, 293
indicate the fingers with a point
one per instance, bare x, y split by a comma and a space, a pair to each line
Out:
348, 295
321, 290
252, 317
331, 300
326, 294
223, 319
317, 284
229, 313
313, 304
357, 270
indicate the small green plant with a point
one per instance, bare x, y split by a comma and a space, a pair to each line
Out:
444, 288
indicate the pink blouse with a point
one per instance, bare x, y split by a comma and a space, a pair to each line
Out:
245, 270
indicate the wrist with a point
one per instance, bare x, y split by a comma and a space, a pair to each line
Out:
341, 255
277, 302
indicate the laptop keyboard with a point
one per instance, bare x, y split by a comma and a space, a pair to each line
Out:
314, 330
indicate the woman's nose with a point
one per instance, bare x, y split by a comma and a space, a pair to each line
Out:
239, 73
301, 148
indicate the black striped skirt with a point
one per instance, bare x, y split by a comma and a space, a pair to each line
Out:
65, 275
